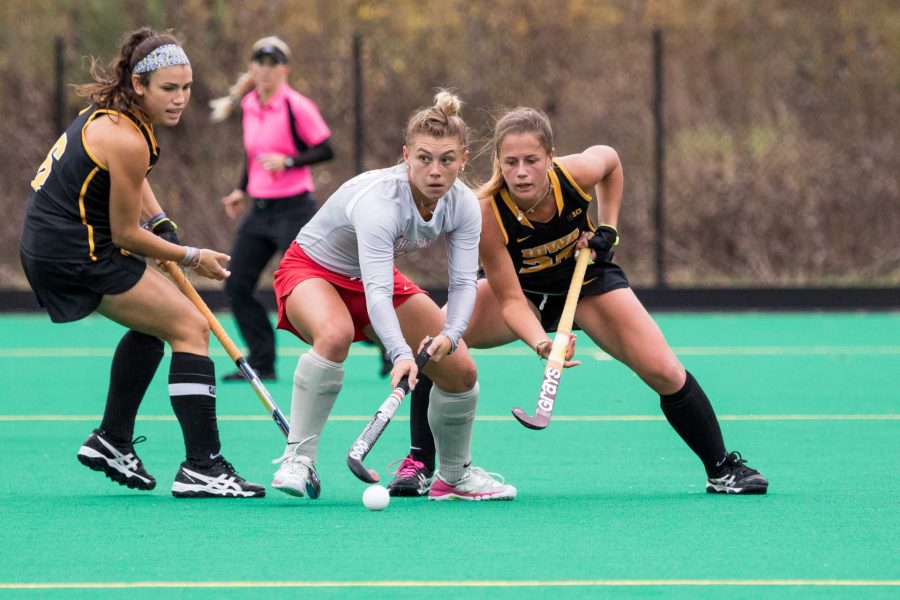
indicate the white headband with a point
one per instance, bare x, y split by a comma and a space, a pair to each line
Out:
164, 56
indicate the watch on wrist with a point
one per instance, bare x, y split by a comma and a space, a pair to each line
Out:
288, 162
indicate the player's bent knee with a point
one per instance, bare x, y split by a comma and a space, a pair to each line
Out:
668, 374
333, 344
191, 329
468, 378
456, 378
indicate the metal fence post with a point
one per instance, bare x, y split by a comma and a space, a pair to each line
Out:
59, 67
358, 131
659, 214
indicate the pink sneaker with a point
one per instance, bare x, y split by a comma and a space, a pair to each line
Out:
476, 484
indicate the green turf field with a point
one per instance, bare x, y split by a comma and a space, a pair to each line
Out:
611, 503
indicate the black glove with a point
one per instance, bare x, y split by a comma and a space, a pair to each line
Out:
164, 227
604, 239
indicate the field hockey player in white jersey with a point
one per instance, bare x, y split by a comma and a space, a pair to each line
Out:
338, 284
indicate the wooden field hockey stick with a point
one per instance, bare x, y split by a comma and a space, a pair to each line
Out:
243, 366
557, 359
379, 422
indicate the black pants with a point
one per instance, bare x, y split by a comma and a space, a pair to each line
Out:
270, 227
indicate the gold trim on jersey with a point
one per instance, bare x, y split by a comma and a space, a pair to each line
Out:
499, 221
568, 175
514, 208
81, 209
151, 134
84, 143
587, 197
557, 196
140, 125
557, 191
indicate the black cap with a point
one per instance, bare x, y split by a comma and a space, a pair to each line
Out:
271, 51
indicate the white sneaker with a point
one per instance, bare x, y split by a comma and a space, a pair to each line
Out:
297, 475
476, 484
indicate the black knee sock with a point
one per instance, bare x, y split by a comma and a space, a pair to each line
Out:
192, 388
420, 436
692, 416
133, 366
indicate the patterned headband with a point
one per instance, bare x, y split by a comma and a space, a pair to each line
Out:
164, 56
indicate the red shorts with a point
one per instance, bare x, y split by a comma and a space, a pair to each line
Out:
297, 267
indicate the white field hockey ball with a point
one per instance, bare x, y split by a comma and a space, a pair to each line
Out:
376, 497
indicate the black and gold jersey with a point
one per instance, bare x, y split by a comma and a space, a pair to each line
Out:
543, 254
67, 215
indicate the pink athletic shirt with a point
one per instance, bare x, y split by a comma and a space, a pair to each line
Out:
267, 129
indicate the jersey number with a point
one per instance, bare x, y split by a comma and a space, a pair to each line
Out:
539, 263
43, 171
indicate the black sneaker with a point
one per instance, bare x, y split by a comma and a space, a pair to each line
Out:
118, 461
412, 478
238, 375
218, 480
735, 477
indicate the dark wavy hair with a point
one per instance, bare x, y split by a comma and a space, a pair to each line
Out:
112, 87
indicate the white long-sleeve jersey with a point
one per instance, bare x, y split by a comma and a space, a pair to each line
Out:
370, 220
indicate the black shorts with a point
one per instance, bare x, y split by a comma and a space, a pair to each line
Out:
601, 277
72, 291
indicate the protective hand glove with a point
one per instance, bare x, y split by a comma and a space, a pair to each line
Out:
604, 239
164, 227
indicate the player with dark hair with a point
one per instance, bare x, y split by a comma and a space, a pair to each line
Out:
81, 233
536, 214
338, 284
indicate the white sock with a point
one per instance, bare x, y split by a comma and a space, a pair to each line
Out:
317, 382
451, 417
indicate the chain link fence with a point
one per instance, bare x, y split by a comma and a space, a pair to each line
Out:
778, 122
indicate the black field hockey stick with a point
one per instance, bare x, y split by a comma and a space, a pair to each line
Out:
243, 366
557, 360
379, 422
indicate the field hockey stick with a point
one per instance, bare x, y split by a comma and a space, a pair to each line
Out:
379, 422
557, 359
243, 366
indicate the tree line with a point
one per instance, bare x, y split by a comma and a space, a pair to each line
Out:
780, 117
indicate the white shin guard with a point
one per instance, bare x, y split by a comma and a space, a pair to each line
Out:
451, 417
317, 382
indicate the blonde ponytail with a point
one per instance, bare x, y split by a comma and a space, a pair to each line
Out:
224, 106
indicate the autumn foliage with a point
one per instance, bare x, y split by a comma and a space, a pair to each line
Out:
781, 118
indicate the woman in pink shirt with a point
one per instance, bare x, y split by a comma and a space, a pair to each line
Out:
284, 134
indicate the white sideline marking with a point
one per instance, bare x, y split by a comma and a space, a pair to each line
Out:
495, 418
508, 350
460, 584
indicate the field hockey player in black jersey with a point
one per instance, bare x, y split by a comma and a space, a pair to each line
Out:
82, 232
535, 212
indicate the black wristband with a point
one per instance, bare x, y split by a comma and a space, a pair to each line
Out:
605, 237
164, 227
